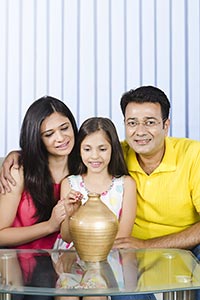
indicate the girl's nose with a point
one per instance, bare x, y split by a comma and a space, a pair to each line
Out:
94, 154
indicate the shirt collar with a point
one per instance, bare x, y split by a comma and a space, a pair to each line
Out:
168, 162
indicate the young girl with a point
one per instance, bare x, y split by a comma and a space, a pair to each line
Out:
101, 169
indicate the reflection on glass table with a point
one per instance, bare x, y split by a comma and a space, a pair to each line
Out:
49, 272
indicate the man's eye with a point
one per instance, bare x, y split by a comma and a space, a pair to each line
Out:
150, 123
132, 123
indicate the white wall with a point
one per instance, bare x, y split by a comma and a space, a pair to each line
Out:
88, 52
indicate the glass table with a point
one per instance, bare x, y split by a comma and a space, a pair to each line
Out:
62, 273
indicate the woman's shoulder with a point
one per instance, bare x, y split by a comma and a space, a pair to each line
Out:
17, 173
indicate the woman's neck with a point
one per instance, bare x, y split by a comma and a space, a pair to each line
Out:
58, 167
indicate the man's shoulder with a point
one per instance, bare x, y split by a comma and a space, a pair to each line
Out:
124, 142
184, 144
125, 147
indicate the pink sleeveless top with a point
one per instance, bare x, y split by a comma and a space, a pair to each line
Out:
25, 217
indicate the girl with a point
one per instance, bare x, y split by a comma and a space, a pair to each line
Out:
100, 169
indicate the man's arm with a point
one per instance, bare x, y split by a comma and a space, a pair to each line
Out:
5, 175
186, 239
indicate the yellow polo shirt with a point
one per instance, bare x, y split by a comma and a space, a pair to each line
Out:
168, 200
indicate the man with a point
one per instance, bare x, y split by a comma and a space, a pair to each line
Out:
166, 171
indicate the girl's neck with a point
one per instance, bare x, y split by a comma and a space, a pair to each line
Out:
97, 183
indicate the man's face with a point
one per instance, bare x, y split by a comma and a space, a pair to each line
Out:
145, 129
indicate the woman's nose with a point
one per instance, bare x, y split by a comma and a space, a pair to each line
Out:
59, 136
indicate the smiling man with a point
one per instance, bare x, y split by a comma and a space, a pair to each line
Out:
166, 170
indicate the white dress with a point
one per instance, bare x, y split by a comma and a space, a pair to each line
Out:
113, 198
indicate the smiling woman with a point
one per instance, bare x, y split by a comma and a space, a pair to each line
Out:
34, 211
57, 134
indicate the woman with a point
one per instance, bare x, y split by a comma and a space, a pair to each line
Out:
33, 209
47, 140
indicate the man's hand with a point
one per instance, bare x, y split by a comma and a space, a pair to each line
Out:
6, 180
129, 242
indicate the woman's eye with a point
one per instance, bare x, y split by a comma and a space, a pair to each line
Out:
64, 128
48, 134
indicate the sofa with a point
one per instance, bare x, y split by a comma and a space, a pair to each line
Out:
1, 160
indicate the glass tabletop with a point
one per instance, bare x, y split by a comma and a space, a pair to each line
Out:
60, 272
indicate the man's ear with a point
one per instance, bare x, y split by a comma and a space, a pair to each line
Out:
166, 126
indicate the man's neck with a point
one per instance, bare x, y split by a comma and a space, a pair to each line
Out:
150, 162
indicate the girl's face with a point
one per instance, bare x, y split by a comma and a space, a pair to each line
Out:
57, 134
96, 151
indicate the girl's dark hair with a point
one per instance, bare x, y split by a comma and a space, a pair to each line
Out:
34, 156
117, 166
145, 94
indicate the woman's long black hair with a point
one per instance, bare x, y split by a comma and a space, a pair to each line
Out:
34, 156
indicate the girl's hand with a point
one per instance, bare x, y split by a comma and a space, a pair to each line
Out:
65, 262
72, 202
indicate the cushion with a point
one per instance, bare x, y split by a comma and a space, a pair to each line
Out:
1, 160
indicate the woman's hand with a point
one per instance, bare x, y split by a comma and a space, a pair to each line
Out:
6, 179
57, 216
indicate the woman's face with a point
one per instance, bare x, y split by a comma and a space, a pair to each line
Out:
57, 134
